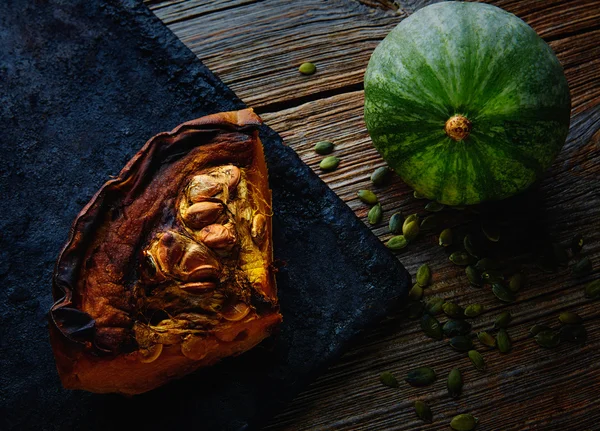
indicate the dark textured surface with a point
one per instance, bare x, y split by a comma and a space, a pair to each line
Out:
83, 86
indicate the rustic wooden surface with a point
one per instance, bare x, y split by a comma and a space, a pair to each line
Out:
256, 46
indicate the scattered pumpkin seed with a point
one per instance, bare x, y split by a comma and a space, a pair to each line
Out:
573, 333
429, 223
380, 175
502, 320
434, 207
516, 282
577, 244
536, 329
474, 276
388, 379
414, 309
570, 318
307, 68
423, 275
329, 163
461, 258
423, 411
416, 293
548, 338
486, 339
455, 383
502, 293
503, 341
592, 289
560, 254
395, 225
477, 360
583, 267
492, 276
486, 264
452, 328
474, 310
397, 242
431, 327
418, 195
375, 214
367, 196
453, 310
410, 230
462, 343
324, 147
464, 422
423, 376
446, 237
471, 247
411, 218
434, 305
491, 232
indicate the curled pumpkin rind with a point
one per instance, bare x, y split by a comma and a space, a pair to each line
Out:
169, 267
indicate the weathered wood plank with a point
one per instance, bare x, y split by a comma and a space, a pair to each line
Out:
256, 47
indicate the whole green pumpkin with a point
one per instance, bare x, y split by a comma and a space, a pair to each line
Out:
466, 103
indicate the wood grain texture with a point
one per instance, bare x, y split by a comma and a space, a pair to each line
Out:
256, 46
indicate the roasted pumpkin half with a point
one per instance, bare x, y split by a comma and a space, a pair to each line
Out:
169, 267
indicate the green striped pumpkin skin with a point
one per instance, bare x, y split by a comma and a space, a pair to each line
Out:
481, 62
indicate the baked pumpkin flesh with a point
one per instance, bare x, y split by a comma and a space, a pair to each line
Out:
169, 267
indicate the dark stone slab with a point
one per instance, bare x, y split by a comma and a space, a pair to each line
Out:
83, 84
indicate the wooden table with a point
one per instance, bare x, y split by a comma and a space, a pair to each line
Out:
256, 46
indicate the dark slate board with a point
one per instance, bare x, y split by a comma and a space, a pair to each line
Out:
83, 84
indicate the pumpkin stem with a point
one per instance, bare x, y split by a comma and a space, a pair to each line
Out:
458, 127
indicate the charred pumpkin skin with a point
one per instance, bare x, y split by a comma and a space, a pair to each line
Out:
169, 267
466, 103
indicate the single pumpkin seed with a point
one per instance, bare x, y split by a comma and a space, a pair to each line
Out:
431, 327
414, 309
577, 244
477, 360
418, 195
503, 341
446, 238
397, 242
423, 376
324, 147
573, 333
486, 339
380, 175
434, 207
462, 343
491, 232
474, 310
492, 276
502, 293
474, 276
570, 318
464, 422
536, 329
395, 225
375, 214
329, 163
471, 247
423, 411
548, 338
423, 275
410, 230
452, 328
516, 282
461, 258
367, 196
583, 267
411, 218
486, 264
502, 320
388, 379
416, 293
592, 289
560, 254
307, 68
434, 305
429, 223
453, 310
455, 383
